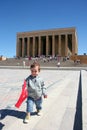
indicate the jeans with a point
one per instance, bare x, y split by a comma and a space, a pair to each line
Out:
31, 102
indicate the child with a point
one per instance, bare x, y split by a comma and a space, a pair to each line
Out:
36, 89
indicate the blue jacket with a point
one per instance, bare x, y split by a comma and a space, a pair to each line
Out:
36, 87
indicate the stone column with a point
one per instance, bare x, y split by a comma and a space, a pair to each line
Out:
23, 47
53, 45
47, 47
66, 45
39, 49
33, 46
28, 46
73, 44
59, 49
17, 48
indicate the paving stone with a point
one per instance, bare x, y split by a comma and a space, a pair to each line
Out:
59, 109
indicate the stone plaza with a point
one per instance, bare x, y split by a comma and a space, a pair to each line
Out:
64, 109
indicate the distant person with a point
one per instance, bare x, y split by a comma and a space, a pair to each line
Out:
24, 63
58, 64
36, 88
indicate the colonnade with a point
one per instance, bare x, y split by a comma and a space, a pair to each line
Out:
51, 44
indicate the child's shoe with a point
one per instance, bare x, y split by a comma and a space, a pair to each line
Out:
39, 113
26, 120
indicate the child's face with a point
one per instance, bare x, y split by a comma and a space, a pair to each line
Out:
34, 71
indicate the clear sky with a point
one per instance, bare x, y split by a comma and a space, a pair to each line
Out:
32, 15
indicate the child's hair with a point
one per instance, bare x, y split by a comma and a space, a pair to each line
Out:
34, 65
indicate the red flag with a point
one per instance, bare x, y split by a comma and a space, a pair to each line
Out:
23, 95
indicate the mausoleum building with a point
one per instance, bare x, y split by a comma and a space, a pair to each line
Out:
53, 42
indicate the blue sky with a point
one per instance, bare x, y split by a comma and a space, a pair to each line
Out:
29, 15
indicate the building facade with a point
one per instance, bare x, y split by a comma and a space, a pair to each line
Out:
53, 42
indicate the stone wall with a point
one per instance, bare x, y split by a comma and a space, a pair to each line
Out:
81, 58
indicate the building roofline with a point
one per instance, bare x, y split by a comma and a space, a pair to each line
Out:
49, 30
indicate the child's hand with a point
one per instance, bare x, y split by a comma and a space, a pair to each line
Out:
45, 96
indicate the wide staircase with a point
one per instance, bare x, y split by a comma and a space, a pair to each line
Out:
47, 63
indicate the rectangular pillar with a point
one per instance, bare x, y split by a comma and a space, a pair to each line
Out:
17, 48
47, 47
66, 45
33, 46
39, 47
28, 46
22, 47
59, 48
53, 45
73, 44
